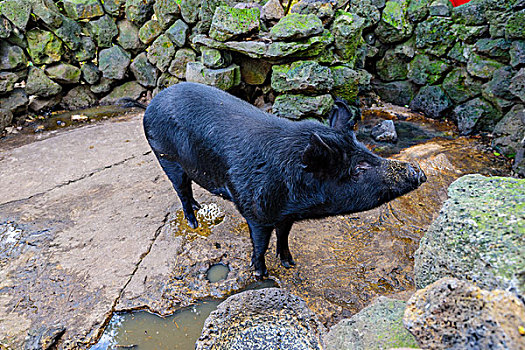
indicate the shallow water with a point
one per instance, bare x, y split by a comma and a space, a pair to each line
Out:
143, 330
217, 273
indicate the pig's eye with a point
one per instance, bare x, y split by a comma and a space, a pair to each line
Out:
360, 168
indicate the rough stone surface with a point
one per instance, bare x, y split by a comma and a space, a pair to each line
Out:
435, 35
497, 90
114, 62
83, 9
224, 78
79, 97
11, 56
254, 72
150, 31
90, 73
230, 23
517, 85
423, 70
213, 58
70, 32
161, 52
347, 82
385, 131
517, 53
38, 83
116, 8
396, 92
376, 327
166, 80
139, 11
104, 85
489, 320
144, 72
5, 28
272, 11
44, 47
190, 10
366, 10
514, 28
5, 119
509, 133
41, 105
393, 66
17, 11
87, 49
323, 9
166, 11
307, 76
129, 36
64, 73
130, 89
432, 101
347, 29
475, 115
394, 25
460, 86
296, 26
496, 48
178, 32
477, 236
178, 65
103, 30
16, 101
7, 81
262, 319
299, 106
440, 8
481, 67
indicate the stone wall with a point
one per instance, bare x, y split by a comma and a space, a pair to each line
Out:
465, 63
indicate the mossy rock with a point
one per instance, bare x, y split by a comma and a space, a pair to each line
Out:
115, 8
17, 11
213, 58
366, 10
392, 66
83, 9
7, 82
178, 33
435, 36
478, 235
150, 31
70, 32
11, 56
460, 86
87, 49
39, 84
166, 11
294, 106
161, 52
48, 12
517, 53
44, 47
298, 76
223, 78
230, 23
417, 10
296, 26
496, 91
90, 73
394, 25
64, 73
103, 30
510, 131
131, 89
5, 28
139, 11
128, 36
144, 72
482, 67
190, 10
460, 52
346, 83
347, 29
475, 115
432, 101
515, 28
469, 34
114, 62
424, 70
495, 48
181, 59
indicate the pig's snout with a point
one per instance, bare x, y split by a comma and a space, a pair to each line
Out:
415, 174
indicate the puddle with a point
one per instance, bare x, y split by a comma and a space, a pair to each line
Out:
217, 272
143, 330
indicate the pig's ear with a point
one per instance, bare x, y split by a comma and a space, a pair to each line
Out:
317, 156
342, 116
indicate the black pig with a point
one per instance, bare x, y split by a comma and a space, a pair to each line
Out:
276, 171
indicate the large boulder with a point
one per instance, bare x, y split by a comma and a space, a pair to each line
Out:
376, 327
456, 315
268, 318
39, 84
114, 62
478, 235
296, 26
295, 106
301, 76
432, 101
475, 115
231, 23
223, 78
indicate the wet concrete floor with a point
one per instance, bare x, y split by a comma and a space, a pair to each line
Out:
90, 227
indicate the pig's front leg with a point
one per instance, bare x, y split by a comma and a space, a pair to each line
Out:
260, 238
282, 230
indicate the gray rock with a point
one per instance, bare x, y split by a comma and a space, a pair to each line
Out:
460, 52
64, 73
393, 66
378, 326
11, 56
115, 8
7, 82
435, 35
517, 53
482, 67
83, 9
166, 80
384, 131
70, 33
103, 30
139, 11
40, 105
488, 320
394, 25
181, 59
16, 101
231, 23
301, 76
128, 36
423, 70
347, 82
150, 31
432, 101
497, 90
167, 11
48, 12
440, 8
418, 10
515, 28
300, 106
190, 10
268, 318
273, 10
517, 85
5, 28
497, 21
206, 12
90, 73
131, 89
509, 133
213, 58
473, 14
44, 47
17, 11
104, 85
323, 9
254, 71
460, 86
79, 97
114, 62
45, 337
178, 33
224, 78
497, 48
396, 92
6, 117
469, 34
144, 72
367, 11
38, 83
475, 115
161, 52
87, 49
296, 26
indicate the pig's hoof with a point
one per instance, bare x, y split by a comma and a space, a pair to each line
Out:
195, 205
260, 273
193, 223
287, 263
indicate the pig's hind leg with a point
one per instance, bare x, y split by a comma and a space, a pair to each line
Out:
182, 185
282, 231
260, 236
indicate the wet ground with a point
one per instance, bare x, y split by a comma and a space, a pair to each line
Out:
90, 228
